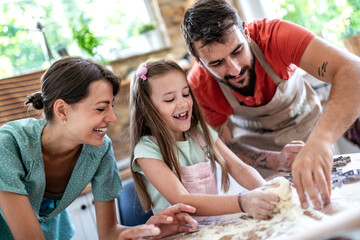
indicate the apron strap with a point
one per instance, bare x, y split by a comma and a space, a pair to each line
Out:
262, 60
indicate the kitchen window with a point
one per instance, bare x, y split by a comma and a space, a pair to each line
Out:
33, 34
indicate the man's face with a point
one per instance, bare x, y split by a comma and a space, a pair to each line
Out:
231, 62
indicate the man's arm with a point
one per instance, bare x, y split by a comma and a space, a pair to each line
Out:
255, 157
312, 166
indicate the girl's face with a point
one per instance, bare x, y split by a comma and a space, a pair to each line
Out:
170, 94
87, 120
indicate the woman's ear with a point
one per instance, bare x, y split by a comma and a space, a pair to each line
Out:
60, 109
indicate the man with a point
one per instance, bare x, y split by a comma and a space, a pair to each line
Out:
245, 75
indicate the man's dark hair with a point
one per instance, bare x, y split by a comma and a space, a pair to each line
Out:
208, 21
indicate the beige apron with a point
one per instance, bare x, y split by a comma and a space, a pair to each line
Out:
290, 115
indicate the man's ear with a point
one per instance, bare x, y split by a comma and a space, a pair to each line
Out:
246, 32
60, 109
199, 62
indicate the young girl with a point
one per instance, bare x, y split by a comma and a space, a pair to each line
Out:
47, 163
173, 151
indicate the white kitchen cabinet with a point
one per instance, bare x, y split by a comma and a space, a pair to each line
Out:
82, 214
83, 217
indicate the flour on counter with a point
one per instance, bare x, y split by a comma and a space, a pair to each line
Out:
288, 218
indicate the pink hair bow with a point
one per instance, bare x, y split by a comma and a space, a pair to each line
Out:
141, 72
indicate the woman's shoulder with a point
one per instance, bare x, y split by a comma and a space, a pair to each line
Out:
24, 123
23, 128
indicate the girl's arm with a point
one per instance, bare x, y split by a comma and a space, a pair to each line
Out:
243, 174
167, 183
20, 216
171, 220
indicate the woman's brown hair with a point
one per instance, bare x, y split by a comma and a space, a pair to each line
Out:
69, 79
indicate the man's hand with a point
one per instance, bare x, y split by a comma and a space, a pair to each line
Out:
287, 155
174, 219
311, 173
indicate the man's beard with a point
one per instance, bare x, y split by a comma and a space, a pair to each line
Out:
247, 90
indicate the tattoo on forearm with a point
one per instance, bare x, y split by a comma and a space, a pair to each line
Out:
249, 154
322, 69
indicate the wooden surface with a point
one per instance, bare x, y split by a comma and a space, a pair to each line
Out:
340, 218
13, 93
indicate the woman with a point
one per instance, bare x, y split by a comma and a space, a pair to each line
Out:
47, 163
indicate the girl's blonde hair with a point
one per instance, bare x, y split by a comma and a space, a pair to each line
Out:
145, 120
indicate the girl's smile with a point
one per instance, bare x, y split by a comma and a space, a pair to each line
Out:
170, 94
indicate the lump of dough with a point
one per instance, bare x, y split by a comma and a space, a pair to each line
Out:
283, 191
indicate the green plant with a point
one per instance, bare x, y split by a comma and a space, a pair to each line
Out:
325, 18
143, 28
84, 37
352, 22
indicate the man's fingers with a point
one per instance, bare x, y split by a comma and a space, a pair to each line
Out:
322, 185
297, 143
327, 172
296, 149
300, 189
295, 146
310, 188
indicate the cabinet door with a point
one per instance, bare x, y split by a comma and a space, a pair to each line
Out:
82, 217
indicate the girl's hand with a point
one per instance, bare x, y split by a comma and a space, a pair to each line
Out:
174, 219
259, 203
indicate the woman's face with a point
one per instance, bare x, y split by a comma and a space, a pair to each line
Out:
88, 120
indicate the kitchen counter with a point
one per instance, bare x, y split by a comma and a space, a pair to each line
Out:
340, 218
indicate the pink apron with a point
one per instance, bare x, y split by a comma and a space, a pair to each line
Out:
290, 115
200, 178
